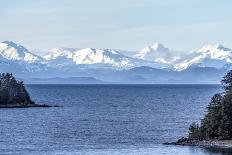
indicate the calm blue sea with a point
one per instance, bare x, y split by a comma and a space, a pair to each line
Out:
105, 120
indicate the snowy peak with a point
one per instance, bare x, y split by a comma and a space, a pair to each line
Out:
12, 44
216, 52
12, 51
16, 58
60, 52
159, 47
208, 56
157, 56
158, 53
90, 56
155, 53
213, 47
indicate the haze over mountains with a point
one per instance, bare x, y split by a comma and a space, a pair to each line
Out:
152, 64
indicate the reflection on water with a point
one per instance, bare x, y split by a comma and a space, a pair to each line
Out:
219, 151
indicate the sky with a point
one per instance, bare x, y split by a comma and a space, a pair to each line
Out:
118, 24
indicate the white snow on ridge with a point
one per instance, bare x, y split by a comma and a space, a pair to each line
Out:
158, 53
91, 56
157, 56
19, 58
155, 53
60, 52
216, 52
208, 56
11, 51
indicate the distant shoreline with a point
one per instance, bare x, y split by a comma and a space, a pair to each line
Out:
218, 144
26, 106
120, 84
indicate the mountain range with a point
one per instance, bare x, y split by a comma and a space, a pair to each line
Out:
154, 64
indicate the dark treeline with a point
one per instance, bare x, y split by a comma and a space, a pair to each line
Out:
13, 92
217, 123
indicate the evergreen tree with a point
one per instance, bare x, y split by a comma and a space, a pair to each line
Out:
227, 82
217, 123
212, 121
226, 122
194, 132
13, 91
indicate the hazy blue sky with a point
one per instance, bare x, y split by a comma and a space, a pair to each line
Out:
120, 24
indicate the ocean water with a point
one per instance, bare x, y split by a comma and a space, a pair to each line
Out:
106, 120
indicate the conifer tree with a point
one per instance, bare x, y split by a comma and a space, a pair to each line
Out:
12, 91
217, 123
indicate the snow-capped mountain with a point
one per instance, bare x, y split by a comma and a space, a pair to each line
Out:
153, 64
91, 56
158, 53
59, 52
155, 53
157, 56
16, 57
208, 56
12, 51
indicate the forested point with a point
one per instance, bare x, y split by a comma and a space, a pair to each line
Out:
217, 123
13, 92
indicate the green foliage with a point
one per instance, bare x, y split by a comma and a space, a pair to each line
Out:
194, 132
12, 91
227, 82
217, 123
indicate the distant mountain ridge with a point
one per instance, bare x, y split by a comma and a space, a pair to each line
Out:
59, 80
91, 56
152, 64
214, 56
12, 51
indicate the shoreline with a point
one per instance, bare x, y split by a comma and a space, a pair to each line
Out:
217, 144
27, 106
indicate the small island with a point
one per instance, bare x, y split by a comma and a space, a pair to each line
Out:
215, 129
13, 93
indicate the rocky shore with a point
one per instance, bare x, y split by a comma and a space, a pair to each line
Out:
222, 144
